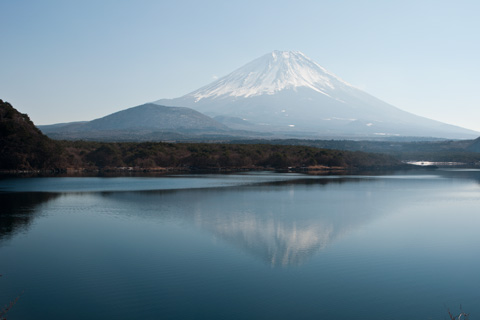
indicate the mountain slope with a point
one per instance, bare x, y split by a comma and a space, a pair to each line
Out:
138, 123
270, 74
155, 117
22, 145
474, 146
288, 92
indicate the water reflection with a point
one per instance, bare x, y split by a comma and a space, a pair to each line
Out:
18, 211
281, 223
471, 174
366, 243
276, 242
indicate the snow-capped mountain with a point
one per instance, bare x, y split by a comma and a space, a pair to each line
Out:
271, 74
285, 91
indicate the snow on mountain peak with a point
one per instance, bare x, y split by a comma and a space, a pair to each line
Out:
271, 73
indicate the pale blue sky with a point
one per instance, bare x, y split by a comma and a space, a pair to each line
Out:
64, 61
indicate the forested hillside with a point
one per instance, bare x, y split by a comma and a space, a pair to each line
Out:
212, 156
22, 145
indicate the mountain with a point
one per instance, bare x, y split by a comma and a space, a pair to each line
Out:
148, 121
474, 146
22, 145
285, 91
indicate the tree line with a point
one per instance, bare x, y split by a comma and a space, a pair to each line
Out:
213, 156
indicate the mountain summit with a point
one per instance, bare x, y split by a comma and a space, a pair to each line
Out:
270, 74
287, 92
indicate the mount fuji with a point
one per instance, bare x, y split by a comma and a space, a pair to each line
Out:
287, 92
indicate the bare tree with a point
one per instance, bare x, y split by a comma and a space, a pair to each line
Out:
8, 307
461, 316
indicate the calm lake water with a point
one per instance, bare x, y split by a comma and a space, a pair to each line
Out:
242, 246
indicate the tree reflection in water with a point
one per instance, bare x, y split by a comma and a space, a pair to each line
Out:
18, 210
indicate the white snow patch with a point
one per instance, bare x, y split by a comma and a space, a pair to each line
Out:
387, 134
272, 73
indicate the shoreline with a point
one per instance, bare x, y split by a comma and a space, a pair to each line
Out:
122, 171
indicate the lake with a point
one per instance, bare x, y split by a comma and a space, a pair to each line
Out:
256, 245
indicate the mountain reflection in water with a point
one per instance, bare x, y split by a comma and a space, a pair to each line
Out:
269, 220
272, 222
276, 242
239, 247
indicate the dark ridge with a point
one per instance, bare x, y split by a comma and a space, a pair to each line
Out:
22, 145
141, 123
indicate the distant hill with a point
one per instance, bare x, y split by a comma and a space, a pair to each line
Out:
139, 123
22, 145
474, 146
